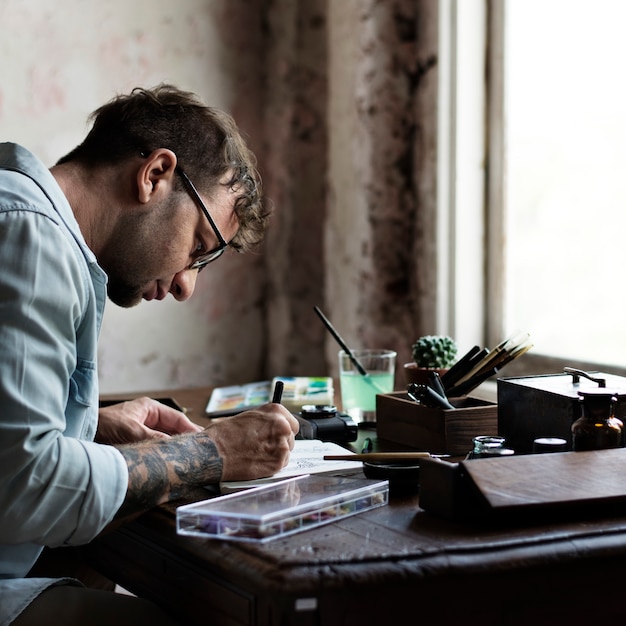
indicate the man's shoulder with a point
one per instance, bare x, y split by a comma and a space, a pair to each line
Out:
23, 175
26, 184
15, 157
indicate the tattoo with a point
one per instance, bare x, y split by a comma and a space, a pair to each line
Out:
162, 470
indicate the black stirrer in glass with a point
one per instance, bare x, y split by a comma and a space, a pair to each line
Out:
340, 341
347, 350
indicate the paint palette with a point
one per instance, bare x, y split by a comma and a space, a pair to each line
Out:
276, 510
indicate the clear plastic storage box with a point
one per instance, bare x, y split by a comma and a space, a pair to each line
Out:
264, 513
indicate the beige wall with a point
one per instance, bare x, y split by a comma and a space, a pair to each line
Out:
337, 98
60, 61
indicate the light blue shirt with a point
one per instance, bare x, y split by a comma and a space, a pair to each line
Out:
57, 487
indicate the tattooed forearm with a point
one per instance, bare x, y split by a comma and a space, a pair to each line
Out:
163, 470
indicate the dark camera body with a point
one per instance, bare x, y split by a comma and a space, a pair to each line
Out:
324, 422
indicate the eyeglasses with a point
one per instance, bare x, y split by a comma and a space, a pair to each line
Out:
205, 258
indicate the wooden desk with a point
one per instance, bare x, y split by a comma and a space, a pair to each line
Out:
393, 565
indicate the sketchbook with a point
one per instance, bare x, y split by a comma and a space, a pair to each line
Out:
307, 457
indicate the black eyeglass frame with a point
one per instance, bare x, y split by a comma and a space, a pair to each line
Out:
208, 257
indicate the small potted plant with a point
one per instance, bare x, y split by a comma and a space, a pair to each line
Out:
430, 352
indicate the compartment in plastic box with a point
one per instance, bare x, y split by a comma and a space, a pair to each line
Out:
264, 513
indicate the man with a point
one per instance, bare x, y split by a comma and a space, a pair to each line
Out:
161, 186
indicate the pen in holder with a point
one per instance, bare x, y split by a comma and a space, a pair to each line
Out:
426, 395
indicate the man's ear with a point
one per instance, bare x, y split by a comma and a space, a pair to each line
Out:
156, 174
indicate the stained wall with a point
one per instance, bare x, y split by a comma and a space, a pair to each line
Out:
338, 100
353, 126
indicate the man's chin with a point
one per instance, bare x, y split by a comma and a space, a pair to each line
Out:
124, 298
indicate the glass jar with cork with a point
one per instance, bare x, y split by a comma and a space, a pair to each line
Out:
597, 428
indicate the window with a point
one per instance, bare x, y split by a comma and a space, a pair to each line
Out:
565, 190
550, 177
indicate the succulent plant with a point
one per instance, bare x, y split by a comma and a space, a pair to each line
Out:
434, 351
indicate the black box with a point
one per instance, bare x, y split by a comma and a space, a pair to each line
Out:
546, 406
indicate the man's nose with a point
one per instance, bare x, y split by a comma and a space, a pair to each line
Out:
184, 284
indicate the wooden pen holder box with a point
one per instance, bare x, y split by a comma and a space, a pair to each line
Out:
400, 419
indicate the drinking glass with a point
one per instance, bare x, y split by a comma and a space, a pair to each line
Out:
358, 390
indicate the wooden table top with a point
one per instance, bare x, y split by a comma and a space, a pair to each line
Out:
377, 564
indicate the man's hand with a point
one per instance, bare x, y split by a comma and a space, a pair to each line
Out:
143, 418
253, 444
256, 443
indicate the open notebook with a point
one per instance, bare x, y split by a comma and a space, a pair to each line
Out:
307, 457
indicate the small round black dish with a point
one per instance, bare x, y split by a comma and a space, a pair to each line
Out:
402, 477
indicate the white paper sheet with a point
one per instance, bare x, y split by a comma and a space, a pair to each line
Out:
307, 457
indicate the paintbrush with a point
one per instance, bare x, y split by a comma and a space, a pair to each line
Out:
379, 457
456, 371
461, 368
344, 347
494, 357
504, 353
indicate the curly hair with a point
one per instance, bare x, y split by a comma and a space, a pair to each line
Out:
206, 141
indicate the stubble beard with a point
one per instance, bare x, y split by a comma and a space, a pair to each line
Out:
123, 293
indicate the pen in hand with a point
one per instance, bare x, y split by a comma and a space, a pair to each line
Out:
278, 392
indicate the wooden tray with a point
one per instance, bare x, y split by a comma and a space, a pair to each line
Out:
530, 484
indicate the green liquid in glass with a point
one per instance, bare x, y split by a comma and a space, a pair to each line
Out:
359, 392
